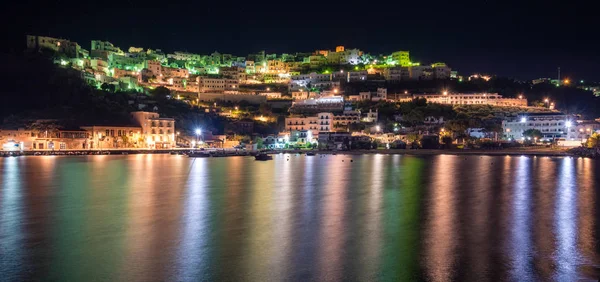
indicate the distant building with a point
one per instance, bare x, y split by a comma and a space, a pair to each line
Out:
472, 99
313, 106
314, 124
212, 84
63, 46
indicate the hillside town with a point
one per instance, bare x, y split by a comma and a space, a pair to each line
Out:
340, 99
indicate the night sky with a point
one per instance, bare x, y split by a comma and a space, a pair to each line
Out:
521, 40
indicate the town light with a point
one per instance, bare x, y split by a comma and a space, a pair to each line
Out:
268, 89
405, 92
520, 96
523, 119
569, 123
198, 131
546, 100
335, 90
378, 128
445, 92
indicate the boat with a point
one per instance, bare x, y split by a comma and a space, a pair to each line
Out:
311, 153
262, 157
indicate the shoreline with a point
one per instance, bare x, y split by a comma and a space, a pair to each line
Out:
431, 152
416, 152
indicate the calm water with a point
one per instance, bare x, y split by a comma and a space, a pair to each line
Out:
378, 218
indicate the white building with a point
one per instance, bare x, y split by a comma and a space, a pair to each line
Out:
551, 125
315, 124
472, 99
159, 133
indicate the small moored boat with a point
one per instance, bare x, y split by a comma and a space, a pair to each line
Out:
262, 157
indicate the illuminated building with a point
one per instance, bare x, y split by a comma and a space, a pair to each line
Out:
184, 56
551, 125
396, 73
339, 49
112, 137
63, 46
323, 104
211, 84
156, 131
401, 58
237, 73
321, 122
380, 94
493, 99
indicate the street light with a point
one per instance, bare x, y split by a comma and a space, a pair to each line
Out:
520, 96
445, 92
198, 132
378, 128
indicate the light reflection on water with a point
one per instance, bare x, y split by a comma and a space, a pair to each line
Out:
299, 218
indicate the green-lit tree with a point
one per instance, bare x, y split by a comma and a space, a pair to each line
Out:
532, 134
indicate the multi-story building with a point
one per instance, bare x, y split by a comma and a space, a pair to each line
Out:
346, 117
162, 72
158, 133
250, 67
303, 95
320, 122
396, 73
551, 125
582, 130
323, 104
185, 56
441, 71
70, 49
472, 99
421, 72
275, 67
380, 94
238, 73
211, 84
112, 137
401, 58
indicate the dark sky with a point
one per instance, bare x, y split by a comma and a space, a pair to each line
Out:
526, 39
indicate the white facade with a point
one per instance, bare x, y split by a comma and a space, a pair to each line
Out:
472, 99
551, 125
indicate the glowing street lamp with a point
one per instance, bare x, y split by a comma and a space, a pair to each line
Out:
546, 100
520, 96
378, 128
445, 93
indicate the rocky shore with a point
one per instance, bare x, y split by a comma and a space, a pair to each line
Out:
593, 153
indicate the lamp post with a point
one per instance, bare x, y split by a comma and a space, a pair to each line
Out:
198, 133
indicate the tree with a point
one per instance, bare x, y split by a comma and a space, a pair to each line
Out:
160, 93
259, 143
593, 141
412, 137
532, 134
